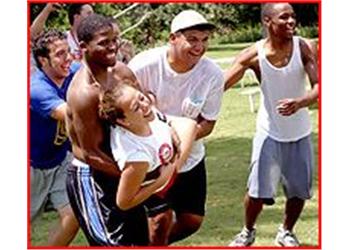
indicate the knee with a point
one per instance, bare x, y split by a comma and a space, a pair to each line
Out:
190, 223
159, 228
68, 219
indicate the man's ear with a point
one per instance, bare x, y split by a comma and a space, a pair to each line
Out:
83, 46
172, 37
44, 61
266, 20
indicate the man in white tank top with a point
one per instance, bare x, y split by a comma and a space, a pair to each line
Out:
282, 147
185, 84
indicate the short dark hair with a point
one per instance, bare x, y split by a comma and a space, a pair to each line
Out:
108, 109
40, 46
268, 10
74, 9
90, 25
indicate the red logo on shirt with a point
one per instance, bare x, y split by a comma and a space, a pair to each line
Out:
165, 153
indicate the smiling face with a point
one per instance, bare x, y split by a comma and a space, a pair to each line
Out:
56, 65
127, 107
189, 46
136, 107
103, 48
281, 21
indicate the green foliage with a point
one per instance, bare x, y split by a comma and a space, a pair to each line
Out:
244, 33
235, 22
308, 31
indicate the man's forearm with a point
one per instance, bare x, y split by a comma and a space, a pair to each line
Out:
204, 128
103, 163
310, 98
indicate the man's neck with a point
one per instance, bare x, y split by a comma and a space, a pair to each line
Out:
279, 43
176, 63
58, 81
97, 73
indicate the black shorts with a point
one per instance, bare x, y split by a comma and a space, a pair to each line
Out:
186, 195
92, 196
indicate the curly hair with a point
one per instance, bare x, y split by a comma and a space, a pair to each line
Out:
40, 46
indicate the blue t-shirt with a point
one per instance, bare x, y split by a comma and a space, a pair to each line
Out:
48, 138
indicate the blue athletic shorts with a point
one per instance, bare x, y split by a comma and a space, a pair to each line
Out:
92, 195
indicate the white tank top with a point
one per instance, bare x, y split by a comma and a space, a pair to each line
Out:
280, 83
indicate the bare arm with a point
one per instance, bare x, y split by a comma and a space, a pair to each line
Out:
204, 127
60, 112
242, 62
186, 130
288, 107
39, 22
130, 192
90, 139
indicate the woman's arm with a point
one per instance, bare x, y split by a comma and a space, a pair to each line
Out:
130, 193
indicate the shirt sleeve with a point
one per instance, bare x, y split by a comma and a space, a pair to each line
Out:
212, 104
125, 150
44, 99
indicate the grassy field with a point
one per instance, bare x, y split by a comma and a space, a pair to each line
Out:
228, 155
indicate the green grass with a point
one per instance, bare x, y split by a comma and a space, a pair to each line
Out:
226, 50
228, 156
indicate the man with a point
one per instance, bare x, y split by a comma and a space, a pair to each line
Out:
93, 169
282, 148
76, 13
184, 83
49, 144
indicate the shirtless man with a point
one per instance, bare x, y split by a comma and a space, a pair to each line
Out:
93, 169
282, 148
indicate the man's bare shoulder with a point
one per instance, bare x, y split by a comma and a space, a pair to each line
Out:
248, 57
121, 72
82, 93
308, 49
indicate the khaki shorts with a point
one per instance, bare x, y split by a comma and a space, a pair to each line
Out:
48, 186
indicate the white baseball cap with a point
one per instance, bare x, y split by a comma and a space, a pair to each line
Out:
187, 19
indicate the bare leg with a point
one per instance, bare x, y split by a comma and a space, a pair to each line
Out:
293, 209
253, 207
67, 228
160, 227
186, 224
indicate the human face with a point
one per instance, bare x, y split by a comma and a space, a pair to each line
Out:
85, 11
283, 21
136, 107
103, 48
190, 46
57, 65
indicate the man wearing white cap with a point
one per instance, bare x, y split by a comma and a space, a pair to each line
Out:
187, 84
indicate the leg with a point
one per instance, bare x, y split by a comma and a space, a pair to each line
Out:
188, 203
66, 229
253, 207
160, 226
293, 209
186, 224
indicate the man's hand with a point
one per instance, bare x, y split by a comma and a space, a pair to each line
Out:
287, 107
176, 145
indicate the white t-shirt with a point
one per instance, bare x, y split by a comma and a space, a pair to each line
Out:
204, 85
155, 149
74, 46
280, 83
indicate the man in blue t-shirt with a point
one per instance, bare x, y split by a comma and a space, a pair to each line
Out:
49, 144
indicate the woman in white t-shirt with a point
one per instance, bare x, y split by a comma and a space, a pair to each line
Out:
141, 143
